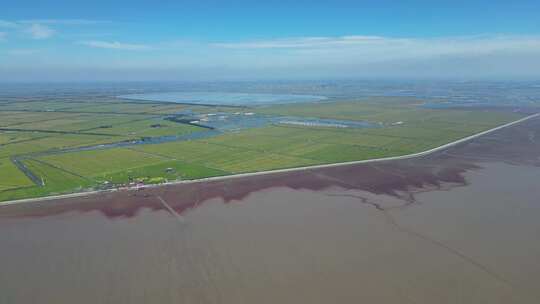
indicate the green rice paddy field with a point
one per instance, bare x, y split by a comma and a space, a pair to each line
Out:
36, 133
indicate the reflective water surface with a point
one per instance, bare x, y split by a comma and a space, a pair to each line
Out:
223, 98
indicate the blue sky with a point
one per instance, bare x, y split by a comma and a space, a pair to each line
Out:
212, 40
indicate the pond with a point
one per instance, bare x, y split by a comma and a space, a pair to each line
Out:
222, 98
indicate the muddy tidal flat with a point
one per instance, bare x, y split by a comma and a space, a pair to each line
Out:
458, 226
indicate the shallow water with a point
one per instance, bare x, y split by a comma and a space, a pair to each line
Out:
290, 246
224, 98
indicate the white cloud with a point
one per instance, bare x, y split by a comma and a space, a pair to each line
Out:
451, 44
487, 56
302, 42
39, 31
41, 28
8, 24
64, 21
115, 45
373, 49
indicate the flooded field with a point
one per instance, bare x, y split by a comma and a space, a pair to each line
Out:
459, 226
246, 120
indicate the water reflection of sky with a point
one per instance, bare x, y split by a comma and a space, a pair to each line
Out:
246, 120
220, 98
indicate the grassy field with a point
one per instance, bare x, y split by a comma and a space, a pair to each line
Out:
37, 132
11, 177
148, 128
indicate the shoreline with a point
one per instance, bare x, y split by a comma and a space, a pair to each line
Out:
268, 172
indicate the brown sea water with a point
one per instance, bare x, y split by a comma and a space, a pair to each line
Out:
460, 226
